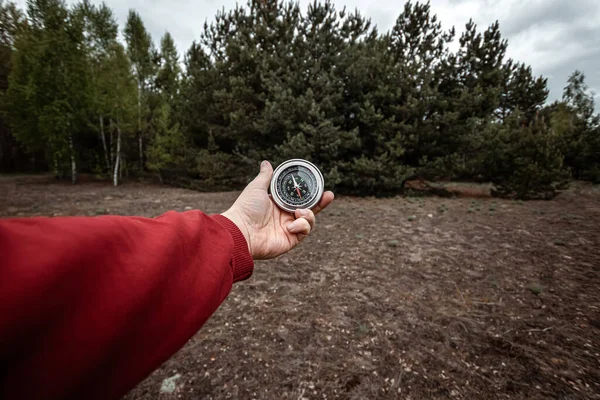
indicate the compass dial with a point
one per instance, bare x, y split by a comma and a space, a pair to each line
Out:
297, 184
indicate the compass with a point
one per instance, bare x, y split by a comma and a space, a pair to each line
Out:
297, 184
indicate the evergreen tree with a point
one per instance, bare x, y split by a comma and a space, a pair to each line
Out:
578, 125
169, 72
419, 47
198, 86
140, 49
523, 161
11, 22
523, 92
167, 149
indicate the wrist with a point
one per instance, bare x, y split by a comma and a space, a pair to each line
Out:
242, 263
234, 217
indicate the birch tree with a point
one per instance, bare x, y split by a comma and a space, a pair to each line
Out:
121, 98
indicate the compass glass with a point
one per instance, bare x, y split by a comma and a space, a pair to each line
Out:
297, 186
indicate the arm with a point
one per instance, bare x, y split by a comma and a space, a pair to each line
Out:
90, 306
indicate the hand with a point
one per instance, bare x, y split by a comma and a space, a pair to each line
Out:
270, 231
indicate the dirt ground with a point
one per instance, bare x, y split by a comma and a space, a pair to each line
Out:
399, 298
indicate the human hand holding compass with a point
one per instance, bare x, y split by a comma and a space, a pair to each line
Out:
269, 229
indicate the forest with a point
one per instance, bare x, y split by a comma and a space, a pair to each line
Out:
270, 80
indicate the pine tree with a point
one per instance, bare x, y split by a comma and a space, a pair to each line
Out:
198, 85
169, 72
579, 126
523, 92
524, 161
419, 50
167, 148
11, 23
140, 49
472, 86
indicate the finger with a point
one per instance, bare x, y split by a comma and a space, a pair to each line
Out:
299, 227
263, 180
325, 201
308, 215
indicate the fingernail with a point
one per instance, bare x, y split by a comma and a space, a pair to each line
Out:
291, 226
303, 211
263, 164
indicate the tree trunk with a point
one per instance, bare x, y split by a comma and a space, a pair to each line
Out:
140, 142
112, 153
140, 139
118, 157
104, 142
73, 164
56, 169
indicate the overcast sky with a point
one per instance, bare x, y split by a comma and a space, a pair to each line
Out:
555, 37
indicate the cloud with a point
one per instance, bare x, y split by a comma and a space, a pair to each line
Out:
555, 37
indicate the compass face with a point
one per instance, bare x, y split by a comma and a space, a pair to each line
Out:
297, 184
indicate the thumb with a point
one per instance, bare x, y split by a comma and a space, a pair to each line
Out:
263, 180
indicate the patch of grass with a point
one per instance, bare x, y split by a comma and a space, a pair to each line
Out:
443, 208
470, 210
412, 217
392, 243
492, 208
359, 236
560, 242
362, 330
535, 289
491, 214
101, 211
478, 208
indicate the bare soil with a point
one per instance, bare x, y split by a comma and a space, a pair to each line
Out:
399, 298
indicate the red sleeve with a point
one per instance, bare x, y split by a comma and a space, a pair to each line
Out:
90, 306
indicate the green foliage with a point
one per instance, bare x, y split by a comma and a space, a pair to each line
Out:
49, 83
535, 289
168, 147
524, 161
578, 127
220, 170
271, 81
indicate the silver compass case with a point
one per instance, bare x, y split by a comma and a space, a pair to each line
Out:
316, 191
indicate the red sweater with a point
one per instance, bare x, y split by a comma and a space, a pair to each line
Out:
91, 306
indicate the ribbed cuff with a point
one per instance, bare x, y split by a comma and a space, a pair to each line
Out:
242, 262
